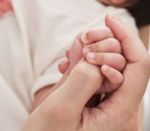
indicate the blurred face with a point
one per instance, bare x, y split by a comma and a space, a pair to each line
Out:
119, 3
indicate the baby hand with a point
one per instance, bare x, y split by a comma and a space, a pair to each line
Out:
99, 48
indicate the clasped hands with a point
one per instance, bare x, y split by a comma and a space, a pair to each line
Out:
64, 109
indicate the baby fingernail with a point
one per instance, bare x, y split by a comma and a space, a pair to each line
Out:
84, 38
104, 68
90, 56
86, 50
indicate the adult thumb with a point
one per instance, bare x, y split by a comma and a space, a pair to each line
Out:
132, 46
125, 100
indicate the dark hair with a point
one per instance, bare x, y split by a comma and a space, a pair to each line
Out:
141, 12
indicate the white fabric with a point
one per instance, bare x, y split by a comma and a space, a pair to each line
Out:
32, 42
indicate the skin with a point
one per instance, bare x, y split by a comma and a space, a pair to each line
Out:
105, 52
136, 122
57, 108
105, 48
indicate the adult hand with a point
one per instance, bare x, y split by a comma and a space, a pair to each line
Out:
64, 109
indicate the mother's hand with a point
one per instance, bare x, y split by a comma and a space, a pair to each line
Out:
64, 109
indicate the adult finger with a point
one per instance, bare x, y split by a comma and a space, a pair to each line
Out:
132, 46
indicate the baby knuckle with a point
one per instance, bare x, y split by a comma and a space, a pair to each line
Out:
115, 44
95, 47
101, 58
